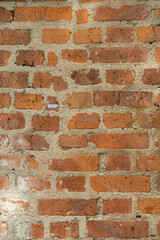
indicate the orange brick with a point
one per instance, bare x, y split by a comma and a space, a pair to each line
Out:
48, 14
149, 206
4, 57
119, 77
120, 183
120, 140
148, 163
5, 15
52, 59
3, 182
118, 120
82, 16
42, 80
78, 100
31, 163
28, 101
5, 100
87, 36
59, 36
84, 121
88, 163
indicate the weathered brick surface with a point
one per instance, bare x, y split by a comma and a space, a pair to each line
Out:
79, 119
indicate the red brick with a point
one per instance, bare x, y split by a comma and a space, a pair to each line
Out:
5, 15
42, 80
45, 123
86, 76
52, 59
4, 57
12, 121
52, 104
87, 36
119, 54
158, 228
59, 36
84, 121
149, 121
149, 206
75, 55
118, 229
14, 37
35, 230
71, 207
82, 16
48, 14
158, 99
118, 120
120, 140
28, 101
122, 98
31, 163
120, 183
148, 34
29, 142
84, 1
3, 230
11, 162
78, 100
151, 76
75, 141
30, 58
125, 13
115, 205
72, 184
115, 35
14, 80
5, 100
28, 183
157, 54
117, 162
59, 84
88, 163
4, 142
119, 77
64, 230
3, 182
12, 207
148, 163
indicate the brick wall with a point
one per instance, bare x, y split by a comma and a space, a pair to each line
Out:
79, 119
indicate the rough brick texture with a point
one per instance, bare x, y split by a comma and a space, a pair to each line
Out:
79, 119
